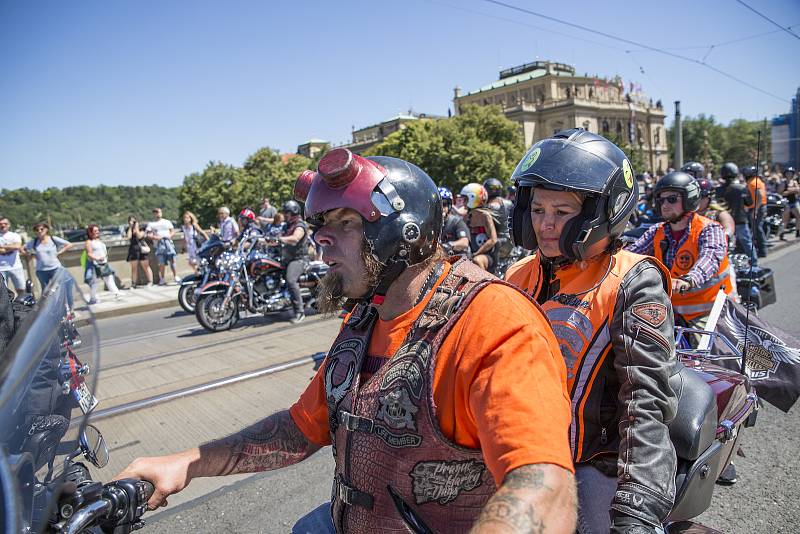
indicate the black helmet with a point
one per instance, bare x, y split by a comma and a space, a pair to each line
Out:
707, 189
398, 201
749, 172
695, 169
494, 187
291, 206
583, 162
788, 169
729, 171
682, 183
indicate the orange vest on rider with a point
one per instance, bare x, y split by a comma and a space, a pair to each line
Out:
757, 183
580, 320
697, 301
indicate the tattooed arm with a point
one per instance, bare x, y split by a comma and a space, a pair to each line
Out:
537, 498
269, 444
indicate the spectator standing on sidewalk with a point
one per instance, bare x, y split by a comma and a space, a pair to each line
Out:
47, 249
161, 232
228, 229
10, 264
97, 267
193, 236
138, 252
267, 215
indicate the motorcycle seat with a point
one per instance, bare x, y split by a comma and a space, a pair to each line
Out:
694, 427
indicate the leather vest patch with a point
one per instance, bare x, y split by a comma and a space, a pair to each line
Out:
444, 481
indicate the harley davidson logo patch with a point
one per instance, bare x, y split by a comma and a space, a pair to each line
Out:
684, 260
444, 481
653, 313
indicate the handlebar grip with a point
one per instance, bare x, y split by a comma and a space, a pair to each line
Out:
148, 490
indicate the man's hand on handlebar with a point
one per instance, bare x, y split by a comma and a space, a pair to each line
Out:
169, 474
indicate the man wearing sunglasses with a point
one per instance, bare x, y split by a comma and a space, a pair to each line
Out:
693, 247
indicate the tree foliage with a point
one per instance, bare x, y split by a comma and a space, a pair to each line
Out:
264, 173
712, 144
477, 144
75, 207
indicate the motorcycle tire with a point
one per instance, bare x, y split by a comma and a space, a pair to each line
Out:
212, 317
187, 298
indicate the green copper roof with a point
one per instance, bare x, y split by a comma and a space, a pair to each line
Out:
511, 80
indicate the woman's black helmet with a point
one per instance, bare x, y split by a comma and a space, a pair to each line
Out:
292, 207
582, 162
695, 169
729, 171
494, 187
681, 183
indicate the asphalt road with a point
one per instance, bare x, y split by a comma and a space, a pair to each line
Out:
766, 499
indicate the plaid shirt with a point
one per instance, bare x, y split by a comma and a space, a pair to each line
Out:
712, 247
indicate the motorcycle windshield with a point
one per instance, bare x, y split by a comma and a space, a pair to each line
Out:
211, 246
48, 374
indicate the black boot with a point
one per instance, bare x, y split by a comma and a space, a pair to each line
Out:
728, 476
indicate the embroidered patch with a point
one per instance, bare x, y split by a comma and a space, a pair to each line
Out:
444, 481
684, 260
338, 378
406, 372
653, 313
397, 410
397, 441
628, 498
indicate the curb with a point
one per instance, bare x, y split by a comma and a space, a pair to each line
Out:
125, 310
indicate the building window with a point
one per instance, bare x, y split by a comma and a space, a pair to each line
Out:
619, 129
586, 126
605, 127
658, 135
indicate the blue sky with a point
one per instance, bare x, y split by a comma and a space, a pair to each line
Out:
146, 92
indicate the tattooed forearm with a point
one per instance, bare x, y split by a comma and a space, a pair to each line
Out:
269, 444
533, 498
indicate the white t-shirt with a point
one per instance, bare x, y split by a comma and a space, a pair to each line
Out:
160, 227
11, 260
99, 250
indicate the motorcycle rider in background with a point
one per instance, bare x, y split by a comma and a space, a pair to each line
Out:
294, 254
711, 209
455, 233
611, 312
693, 248
487, 458
790, 189
482, 231
758, 192
247, 226
501, 210
695, 169
738, 199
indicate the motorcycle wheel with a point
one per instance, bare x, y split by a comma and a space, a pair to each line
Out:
213, 316
187, 298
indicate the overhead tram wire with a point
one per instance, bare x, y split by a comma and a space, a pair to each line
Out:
763, 16
641, 45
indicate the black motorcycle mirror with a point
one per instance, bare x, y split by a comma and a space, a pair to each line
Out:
94, 447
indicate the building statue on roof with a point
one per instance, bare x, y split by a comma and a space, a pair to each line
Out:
545, 96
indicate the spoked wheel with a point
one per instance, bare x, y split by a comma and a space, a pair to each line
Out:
214, 315
187, 298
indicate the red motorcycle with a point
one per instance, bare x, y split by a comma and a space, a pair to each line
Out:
251, 280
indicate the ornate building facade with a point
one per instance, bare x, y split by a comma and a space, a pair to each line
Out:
366, 137
545, 97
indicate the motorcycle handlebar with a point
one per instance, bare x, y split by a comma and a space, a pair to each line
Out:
122, 502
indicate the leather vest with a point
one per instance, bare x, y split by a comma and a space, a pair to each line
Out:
697, 301
580, 320
385, 434
478, 235
298, 251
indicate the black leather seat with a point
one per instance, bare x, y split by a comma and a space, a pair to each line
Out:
695, 425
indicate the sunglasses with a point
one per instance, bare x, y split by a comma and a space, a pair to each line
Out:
672, 199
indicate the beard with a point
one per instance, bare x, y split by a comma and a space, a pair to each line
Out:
330, 290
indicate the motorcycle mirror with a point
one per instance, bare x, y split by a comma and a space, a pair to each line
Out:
94, 447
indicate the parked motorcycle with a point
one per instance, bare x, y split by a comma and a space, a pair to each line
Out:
46, 400
776, 205
251, 280
207, 254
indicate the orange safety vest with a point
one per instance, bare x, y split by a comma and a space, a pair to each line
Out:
697, 301
580, 320
757, 183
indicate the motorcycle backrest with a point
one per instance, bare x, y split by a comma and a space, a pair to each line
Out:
694, 427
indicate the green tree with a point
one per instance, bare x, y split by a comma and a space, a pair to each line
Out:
477, 144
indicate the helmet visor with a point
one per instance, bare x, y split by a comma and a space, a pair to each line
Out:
564, 164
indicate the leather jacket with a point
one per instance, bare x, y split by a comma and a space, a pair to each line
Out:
622, 425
